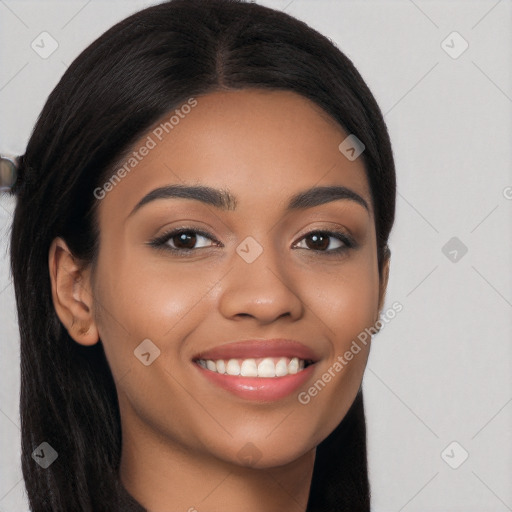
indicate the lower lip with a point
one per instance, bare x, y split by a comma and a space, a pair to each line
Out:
262, 389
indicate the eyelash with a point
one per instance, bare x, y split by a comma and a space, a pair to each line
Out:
161, 241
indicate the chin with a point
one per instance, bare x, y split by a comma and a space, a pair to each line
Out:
264, 454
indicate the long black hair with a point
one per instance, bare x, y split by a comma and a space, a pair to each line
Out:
115, 90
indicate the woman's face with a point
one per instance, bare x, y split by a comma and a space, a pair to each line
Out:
253, 269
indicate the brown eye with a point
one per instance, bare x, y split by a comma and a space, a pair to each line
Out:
321, 241
318, 241
184, 240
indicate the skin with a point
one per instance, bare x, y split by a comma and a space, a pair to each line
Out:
181, 434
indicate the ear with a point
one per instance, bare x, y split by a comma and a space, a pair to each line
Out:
384, 278
72, 293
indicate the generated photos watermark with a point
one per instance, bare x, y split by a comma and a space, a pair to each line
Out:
149, 143
304, 397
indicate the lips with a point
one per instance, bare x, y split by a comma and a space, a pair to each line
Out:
256, 349
262, 370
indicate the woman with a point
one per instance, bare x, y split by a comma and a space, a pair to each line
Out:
200, 238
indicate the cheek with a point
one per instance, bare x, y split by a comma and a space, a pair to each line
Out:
149, 298
346, 301
346, 305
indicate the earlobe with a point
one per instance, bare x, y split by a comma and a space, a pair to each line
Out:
72, 294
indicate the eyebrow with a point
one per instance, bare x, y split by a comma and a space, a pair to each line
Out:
224, 200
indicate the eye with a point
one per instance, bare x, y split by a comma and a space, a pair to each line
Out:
183, 240
322, 241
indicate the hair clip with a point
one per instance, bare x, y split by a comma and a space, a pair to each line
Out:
8, 172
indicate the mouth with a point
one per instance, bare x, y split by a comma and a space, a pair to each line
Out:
262, 370
266, 368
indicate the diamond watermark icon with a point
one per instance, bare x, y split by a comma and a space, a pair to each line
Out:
454, 249
454, 455
44, 45
249, 454
351, 147
249, 249
45, 455
454, 45
147, 352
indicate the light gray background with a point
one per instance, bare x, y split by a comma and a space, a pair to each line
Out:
441, 370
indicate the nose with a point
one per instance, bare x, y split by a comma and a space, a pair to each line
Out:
262, 289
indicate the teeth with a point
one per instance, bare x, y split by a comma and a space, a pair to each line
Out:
221, 366
249, 368
266, 367
293, 367
233, 368
281, 368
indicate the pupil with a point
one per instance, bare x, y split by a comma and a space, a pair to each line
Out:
323, 245
182, 237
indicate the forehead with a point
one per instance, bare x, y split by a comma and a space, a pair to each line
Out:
262, 145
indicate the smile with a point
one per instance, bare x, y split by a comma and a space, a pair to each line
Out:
268, 367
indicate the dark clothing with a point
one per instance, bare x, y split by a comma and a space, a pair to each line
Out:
127, 503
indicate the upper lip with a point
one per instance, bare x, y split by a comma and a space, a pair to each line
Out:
259, 348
